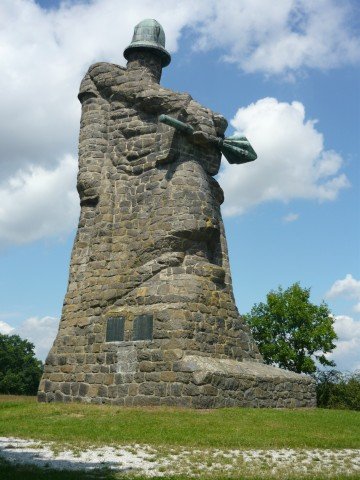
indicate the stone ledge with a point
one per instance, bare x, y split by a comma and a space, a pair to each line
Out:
201, 365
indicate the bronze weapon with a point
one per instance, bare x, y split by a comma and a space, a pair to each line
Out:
236, 149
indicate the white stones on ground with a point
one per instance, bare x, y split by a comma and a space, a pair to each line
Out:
150, 461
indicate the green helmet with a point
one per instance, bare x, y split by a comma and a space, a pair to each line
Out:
149, 34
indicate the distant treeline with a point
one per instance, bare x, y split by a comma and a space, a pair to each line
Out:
338, 389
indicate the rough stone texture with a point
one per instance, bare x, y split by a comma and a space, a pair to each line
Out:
151, 241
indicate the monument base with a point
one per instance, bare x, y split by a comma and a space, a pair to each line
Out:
195, 382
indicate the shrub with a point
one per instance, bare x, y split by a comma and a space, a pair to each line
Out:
20, 370
338, 389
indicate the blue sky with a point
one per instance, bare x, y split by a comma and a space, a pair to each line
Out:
287, 76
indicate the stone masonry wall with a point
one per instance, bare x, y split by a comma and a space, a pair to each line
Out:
150, 285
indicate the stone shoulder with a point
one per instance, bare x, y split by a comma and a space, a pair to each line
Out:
159, 99
109, 78
99, 76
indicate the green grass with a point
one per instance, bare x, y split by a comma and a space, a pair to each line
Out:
244, 428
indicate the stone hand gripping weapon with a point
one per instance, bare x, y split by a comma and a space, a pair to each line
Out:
236, 149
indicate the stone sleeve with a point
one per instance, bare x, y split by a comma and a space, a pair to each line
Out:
157, 99
204, 120
92, 139
87, 89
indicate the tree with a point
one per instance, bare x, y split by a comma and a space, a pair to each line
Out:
20, 370
336, 389
291, 332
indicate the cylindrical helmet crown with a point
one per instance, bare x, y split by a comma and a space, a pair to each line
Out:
150, 35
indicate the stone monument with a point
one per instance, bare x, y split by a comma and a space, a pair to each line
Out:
149, 316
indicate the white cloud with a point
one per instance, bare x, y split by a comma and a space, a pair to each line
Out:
282, 36
348, 287
347, 352
291, 164
38, 202
291, 217
347, 328
356, 308
39, 331
44, 54
5, 328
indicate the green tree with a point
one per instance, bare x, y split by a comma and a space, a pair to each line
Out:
20, 370
336, 389
291, 332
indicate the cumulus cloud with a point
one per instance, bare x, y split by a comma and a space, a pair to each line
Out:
348, 288
292, 162
356, 308
286, 36
347, 352
5, 328
44, 54
41, 332
39, 202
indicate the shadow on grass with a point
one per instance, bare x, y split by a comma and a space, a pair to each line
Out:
15, 465
39, 459
9, 471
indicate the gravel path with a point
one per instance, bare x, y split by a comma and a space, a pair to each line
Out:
151, 461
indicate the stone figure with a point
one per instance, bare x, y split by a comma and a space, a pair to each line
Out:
149, 316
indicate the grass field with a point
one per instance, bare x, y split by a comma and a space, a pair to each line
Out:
78, 426
222, 428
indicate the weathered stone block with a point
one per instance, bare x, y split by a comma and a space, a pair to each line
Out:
168, 376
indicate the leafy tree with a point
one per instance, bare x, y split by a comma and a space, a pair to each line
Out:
20, 370
336, 389
291, 332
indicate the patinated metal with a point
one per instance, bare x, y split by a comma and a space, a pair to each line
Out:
143, 327
115, 329
149, 35
236, 149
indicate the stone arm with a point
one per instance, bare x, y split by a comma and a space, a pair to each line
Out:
160, 100
207, 124
100, 80
105, 82
93, 128
111, 81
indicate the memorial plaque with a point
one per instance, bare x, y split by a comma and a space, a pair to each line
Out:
143, 327
115, 329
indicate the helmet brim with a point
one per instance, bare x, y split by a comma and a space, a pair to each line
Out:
156, 49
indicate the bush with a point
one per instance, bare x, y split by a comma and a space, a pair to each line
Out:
20, 370
338, 390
